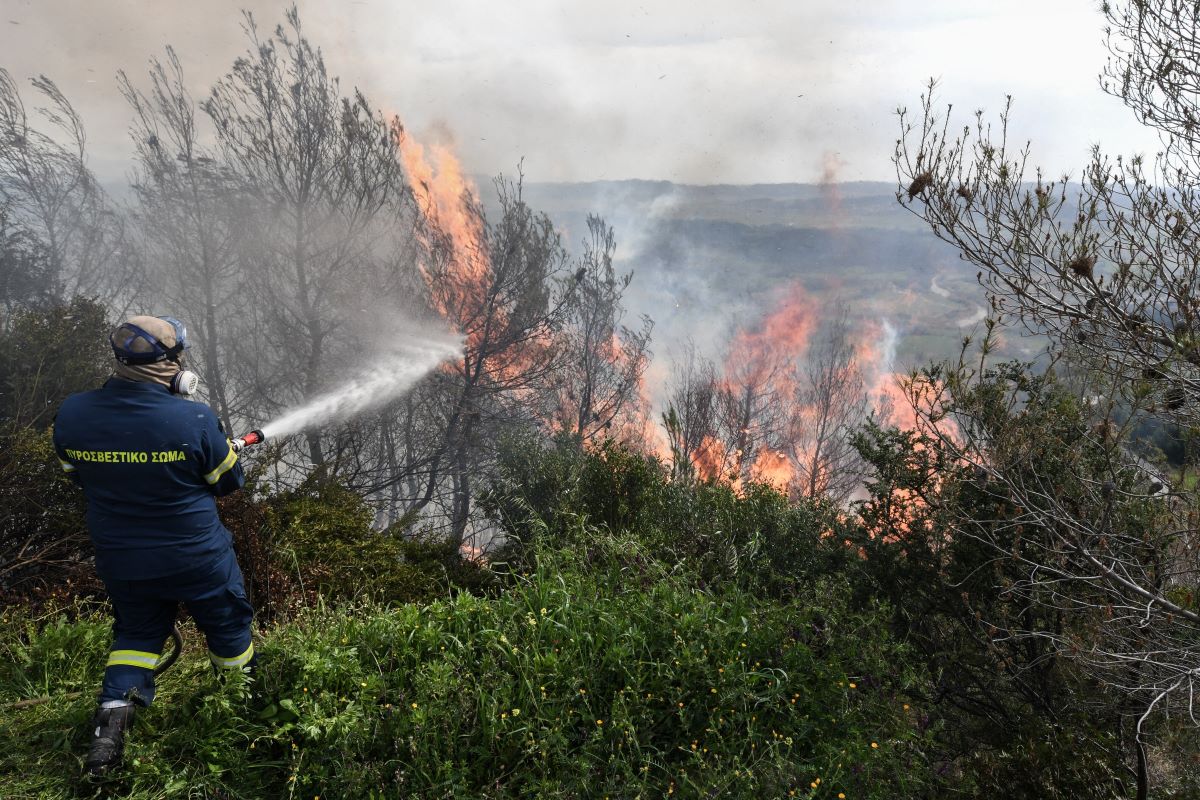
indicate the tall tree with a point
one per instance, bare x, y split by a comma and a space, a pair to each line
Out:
1107, 269
324, 173
691, 417
505, 290
48, 191
23, 269
194, 216
603, 361
831, 403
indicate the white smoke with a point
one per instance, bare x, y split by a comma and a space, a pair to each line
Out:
392, 375
974, 318
887, 347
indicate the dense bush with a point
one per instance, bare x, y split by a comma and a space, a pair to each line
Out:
999, 710
47, 354
1007, 707
324, 533
44, 545
44, 356
754, 539
579, 681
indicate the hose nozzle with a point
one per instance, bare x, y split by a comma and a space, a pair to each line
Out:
246, 440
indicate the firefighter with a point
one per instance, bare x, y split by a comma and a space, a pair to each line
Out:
151, 464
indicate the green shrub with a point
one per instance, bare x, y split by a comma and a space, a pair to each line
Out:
756, 540
940, 546
325, 532
570, 684
45, 550
49, 353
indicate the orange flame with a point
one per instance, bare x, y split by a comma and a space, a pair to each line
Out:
780, 340
459, 282
453, 234
443, 194
764, 364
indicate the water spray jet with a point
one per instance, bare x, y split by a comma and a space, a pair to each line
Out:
391, 377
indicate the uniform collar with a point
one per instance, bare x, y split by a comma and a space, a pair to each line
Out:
122, 385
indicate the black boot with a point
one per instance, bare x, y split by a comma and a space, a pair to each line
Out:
108, 739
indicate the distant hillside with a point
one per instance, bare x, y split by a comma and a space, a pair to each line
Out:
710, 258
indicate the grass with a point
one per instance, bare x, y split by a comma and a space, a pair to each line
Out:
583, 679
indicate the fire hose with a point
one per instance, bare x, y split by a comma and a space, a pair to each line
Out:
166, 660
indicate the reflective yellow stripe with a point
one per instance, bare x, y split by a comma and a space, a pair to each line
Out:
133, 658
67, 466
224, 467
236, 661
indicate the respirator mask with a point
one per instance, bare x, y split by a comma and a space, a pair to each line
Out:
185, 383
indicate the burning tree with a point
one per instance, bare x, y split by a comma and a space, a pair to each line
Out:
502, 285
597, 393
690, 419
543, 344
783, 409
832, 403
1107, 270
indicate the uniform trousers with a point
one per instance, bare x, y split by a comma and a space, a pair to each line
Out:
145, 610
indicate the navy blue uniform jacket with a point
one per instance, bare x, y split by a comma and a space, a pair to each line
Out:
150, 465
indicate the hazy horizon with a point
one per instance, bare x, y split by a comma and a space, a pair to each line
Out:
696, 93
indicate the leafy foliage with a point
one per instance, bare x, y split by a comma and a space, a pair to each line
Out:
47, 353
755, 540
572, 683
326, 531
44, 545
1005, 708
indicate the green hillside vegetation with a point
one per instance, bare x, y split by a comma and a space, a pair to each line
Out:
638, 636
569, 684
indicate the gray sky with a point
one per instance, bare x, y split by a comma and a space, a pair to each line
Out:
695, 91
